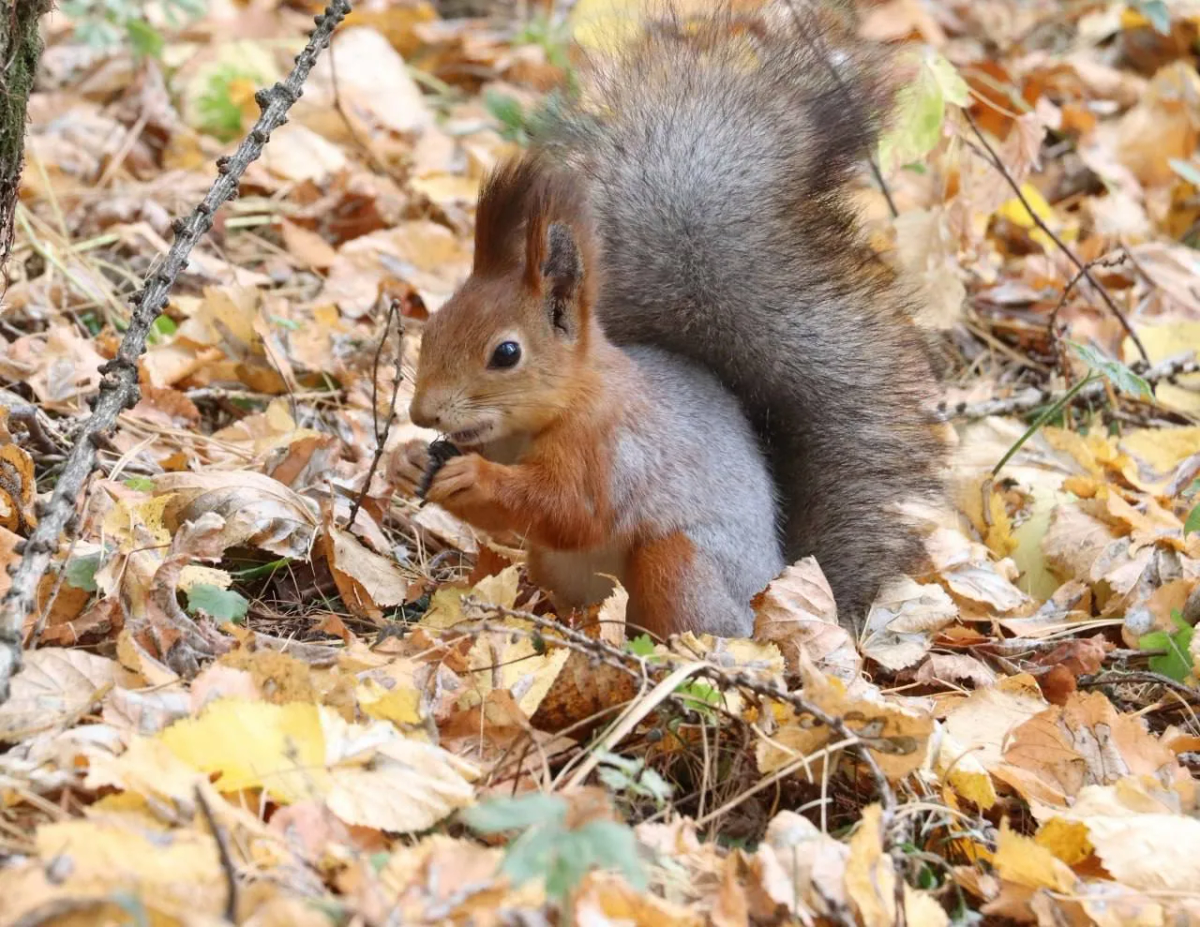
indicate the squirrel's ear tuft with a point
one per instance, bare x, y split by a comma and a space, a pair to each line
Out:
562, 273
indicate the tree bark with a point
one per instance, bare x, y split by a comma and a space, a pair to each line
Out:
20, 49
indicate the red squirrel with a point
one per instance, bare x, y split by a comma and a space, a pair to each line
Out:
674, 361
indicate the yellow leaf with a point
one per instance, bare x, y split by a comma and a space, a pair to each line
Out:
1016, 212
870, 878
1022, 860
400, 706
278, 748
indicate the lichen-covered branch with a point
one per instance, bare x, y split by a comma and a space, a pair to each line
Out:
119, 389
1033, 397
20, 49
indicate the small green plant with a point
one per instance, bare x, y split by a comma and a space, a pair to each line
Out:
81, 572
221, 605
1192, 523
698, 694
218, 112
633, 778
549, 849
1177, 661
1121, 377
553, 38
106, 24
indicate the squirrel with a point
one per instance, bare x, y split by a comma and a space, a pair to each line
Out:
675, 361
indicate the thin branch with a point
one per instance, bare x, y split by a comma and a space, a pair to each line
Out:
118, 388
226, 858
812, 37
381, 434
994, 160
1052, 322
555, 631
1034, 397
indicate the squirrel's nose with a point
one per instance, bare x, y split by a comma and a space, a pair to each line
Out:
423, 413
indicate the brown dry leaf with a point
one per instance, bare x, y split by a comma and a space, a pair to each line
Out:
1074, 542
422, 253
802, 868
604, 898
904, 620
955, 668
1024, 861
897, 733
1087, 742
306, 246
55, 686
582, 690
796, 613
17, 489
1128, 826
968, 571
366, 580
983, 722
60, 367
297, 153
373, 85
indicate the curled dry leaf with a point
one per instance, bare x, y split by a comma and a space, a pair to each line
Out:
797, 613
258, 511
17, 489
904, 620
1053, 755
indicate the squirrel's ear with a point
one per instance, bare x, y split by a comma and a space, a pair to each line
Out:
562, 273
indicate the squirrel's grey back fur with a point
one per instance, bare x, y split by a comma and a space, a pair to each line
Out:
717, 178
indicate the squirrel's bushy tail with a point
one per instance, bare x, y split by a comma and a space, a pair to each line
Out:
717, 170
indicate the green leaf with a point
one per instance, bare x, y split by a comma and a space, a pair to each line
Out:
532, 854
1176, 663
1188, 170
1157, 13
1193, 521
641, 646
140, 484
220, 604
145, 40
920, 111
81, 572
1120, 376
501, 814
613, 846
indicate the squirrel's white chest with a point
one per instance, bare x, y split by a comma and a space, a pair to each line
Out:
578, 577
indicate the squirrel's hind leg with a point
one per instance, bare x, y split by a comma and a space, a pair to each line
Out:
674, 587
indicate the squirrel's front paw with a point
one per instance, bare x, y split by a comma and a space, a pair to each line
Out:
407, 466
460, 485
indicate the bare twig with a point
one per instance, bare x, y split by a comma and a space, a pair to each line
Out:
723, 679
231, 884
989, 155
1052, 322
118, 388
811, 35
381, 434
1034, 397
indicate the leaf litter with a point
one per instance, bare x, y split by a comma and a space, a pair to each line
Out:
238, 703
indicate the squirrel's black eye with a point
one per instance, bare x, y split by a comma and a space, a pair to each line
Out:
507, 354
